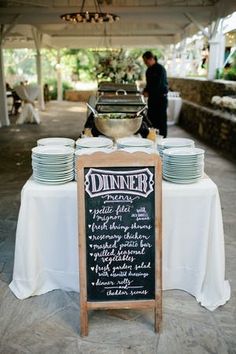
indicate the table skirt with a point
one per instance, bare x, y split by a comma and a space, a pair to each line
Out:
46, 250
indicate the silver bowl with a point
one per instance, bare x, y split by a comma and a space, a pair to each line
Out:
118, 128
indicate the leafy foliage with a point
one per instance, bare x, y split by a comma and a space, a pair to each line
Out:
52, 84
230, 74
118, 67
76, 65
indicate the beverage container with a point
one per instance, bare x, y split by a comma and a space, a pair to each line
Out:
88, 132
152, 135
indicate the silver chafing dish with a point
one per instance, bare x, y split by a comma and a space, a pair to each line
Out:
117, 114
112, 87
120, 103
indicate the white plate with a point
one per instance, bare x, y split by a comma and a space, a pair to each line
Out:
64, 167
175, 142
181, 173
134, 142
45, 179
56, 141
53, 159
94, 142
53, 172
52, 182
194, 180
183, 177
132, 149
183, 152
53, 150
85, 151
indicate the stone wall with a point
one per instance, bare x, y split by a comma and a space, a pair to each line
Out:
201, 91
199, 117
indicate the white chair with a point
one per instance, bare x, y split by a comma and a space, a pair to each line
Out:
29, 113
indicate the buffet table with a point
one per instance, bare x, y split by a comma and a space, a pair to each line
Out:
46, 251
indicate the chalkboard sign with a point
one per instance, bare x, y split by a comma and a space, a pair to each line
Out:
120, 232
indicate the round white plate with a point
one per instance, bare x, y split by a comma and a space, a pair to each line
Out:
132, 149
53, 172
134, 142
42, 178
56, 141
175, 142
52, 182
53, 150
94, 142
85, 151
183, 152
194, 180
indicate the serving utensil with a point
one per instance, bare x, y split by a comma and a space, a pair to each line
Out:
92, 109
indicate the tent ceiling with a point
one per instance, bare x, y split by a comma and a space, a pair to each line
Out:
142, 23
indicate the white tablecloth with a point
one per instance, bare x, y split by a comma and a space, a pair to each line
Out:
46, 253
173, 109
29, 113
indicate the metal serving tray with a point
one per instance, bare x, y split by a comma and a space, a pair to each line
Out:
106, 86
120, 103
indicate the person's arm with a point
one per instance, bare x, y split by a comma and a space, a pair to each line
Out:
145, 90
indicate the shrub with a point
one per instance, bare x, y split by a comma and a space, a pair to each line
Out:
52, 84
230, 74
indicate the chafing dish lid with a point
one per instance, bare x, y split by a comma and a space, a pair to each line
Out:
106, 86
126, 100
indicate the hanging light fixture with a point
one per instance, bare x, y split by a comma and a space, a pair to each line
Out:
90, 17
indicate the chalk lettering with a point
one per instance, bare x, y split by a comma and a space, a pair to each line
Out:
139, 182
138, 292
120, 239
143, 265
116, 292
128, 244
104, 283
140, 227
110, 198
135, 236
105, 245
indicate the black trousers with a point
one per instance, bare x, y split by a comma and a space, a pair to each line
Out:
157, 114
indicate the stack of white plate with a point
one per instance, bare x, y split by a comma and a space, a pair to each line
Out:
183, 165
134, 143
94, 142
53, 164
173, 143
56, 141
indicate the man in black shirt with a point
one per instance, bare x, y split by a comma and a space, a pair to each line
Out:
156, 90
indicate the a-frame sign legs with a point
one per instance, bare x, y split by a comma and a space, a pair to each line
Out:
83, 320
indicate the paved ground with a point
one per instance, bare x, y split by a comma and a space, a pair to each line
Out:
50, 323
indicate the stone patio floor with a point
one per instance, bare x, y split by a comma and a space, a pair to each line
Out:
50, 323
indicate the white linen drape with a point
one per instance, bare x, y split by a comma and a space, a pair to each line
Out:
29, 114
46, 251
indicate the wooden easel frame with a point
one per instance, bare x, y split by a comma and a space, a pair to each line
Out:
119, 159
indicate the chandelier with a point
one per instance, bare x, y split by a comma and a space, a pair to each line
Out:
90, 17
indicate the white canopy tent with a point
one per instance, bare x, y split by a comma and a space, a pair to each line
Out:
37, 24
